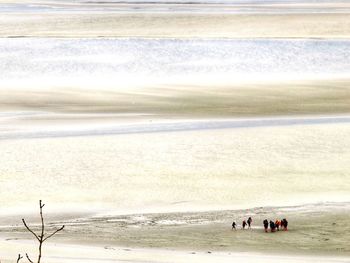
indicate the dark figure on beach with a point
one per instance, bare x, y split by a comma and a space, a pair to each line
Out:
249, 221
244, 223
282, 224
285, 224
272, 226
234, 225
266, 225
277, 224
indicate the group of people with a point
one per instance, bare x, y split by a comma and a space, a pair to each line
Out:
245, 223
274, 226
283, 224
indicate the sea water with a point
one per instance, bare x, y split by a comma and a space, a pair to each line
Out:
123, 62
179, 6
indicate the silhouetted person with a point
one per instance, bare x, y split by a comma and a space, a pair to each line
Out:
282, 224
234, 225
272, 226
285, 224
277, 224
266, 225
249, 221
244, 224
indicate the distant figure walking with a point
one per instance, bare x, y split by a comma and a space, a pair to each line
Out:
272, 226
244, 224
285, 224
277, 224
234, 225
249, 221
266, 225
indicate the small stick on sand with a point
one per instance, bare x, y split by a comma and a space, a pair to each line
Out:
42, 237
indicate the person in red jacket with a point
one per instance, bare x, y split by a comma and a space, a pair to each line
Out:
277, 224
282, 224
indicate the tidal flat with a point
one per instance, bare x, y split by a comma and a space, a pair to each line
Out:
148, 127
319, 229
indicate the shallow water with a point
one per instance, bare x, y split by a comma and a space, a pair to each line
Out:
180, 6
119, 63
88, 129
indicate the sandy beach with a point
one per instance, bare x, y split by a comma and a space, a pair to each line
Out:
319, 233
235, 178
184, 101
147, 127
255, 162
178, 19
117, 254
176, 25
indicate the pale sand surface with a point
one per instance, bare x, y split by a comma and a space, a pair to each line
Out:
186, 101
177, 170
70, 253
167, 25
320, 229
170, 171
180, 170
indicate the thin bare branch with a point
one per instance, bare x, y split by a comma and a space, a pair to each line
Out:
58, 230
29, 258
31, 231
42, 237
19, 258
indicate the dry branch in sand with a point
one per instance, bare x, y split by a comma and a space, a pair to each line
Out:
42, 237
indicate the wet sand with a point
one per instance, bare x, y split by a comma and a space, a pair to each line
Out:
170, 194
171, 171
187, 101
319, 229
156, 19
70, 253
165, 25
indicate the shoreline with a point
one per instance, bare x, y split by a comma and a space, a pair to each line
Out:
56, 214
196, 234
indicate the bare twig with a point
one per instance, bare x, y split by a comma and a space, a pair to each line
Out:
42, 237
29, 258
19, 258
42, 230
58, 230
31, 231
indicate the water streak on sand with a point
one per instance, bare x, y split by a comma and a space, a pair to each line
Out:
178, 6
175, 126
119, 63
